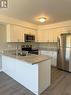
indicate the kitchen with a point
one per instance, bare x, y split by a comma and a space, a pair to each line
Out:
21, 42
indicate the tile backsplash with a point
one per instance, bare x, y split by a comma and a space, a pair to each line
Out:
11, 46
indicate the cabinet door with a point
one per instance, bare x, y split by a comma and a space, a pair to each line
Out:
18, 34
45, 36
52, 55
51, 36
40, 36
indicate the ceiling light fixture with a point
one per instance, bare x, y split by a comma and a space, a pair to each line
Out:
42, 19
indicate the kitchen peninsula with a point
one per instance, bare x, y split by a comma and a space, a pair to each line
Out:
32, 71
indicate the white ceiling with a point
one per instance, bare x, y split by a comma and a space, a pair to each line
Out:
27, 10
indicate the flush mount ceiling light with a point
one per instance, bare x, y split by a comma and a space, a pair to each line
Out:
42, 19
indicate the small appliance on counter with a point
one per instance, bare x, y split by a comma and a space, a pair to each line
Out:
64, 52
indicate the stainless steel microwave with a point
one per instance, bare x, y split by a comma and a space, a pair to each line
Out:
29, 38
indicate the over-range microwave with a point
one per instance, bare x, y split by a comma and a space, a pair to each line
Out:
29, 38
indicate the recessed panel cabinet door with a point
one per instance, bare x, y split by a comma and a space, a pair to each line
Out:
51, 36
46, 36
18, 34
43, 36
14, 33
40, 36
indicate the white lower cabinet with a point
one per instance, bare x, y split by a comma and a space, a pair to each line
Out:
20, 71
27, 74
36, 77
8, 66
52, 54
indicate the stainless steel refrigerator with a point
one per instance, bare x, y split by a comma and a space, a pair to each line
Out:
64, 52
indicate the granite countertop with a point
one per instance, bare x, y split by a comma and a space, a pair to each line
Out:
32, 58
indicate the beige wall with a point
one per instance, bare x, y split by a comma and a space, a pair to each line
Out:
2, 33
10, 20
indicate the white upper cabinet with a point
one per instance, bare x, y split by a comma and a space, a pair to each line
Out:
16, 33
41, 36
50, 35
46, 36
